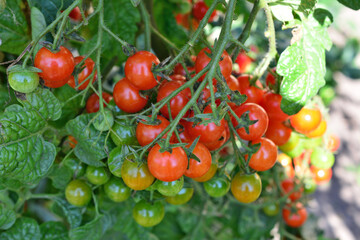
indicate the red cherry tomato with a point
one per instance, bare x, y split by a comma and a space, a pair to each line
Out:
270, 79
167, 166
203, 60
92, 104
56, 67
278, 132
127, 97
84, 74
265, 157
271, 103
257, 129
254, 93
217, 143
199, 10
306, 120
333, 143
197, 169
184, 20
75, 14
288, 186
294, 219
138, 70
321, 175
243, 61
145, 134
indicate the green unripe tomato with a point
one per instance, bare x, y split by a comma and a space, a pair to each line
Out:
322, 158
291, 143
182, 197
97, 175
311, 143
309, 186
123, 133
116, 159
78, 193
217, 187
116, 190
104, 122
147, 214
327, 94
24, 82
169, 188
271, 209
77, 168
299, 148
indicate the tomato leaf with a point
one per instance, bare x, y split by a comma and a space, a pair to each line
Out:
303, 63
7, 217
353, 4
50, 8
53, 231
65, 209
38, 24
60, 176
90, 231
24, 229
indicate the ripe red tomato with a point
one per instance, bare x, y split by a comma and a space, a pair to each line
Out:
145, 134
138, 70
127, 97
265, 157
321, 175
183, 134
271, 103
84, 74
319, 131
332, 143
167, 166
178, 102
93, 105
197, 169
209, 133
243, 61
270, 79
217, 143
183, 20
246, 188
288, 186
179, 70
306, 120
234, 85
136, 177
56, 67
254, 93
257, 129
75, 14
278, 132
295, 219
199, 10
203, 60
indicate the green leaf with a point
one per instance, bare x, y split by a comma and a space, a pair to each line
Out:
303, 63
90, 231
60, 176
38, 24
7, 217
24, 154
53, 231
169, 228
90, 148
4, 97
353, 4
50, 8
187, 222
14, 31
65, 209
282, 12
298, 5
24, 229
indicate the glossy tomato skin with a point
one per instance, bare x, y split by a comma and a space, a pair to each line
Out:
291, 143
320, 175
296, 219
178, 102
148, 214
24, 82
167, 166
309, 186
265, 157
78, 193
306, 120
278, 132
203, 60
197, 169
136, 177
217, 187
217, 143
271, 103
138, 70
182, 197
97, 175
319, 131
56, 67
89, 66
270, 79
75, 14
209, 133
128, 98
169, 189
123, 133
145, 134
322, 158
243, 61
246, 188
199, 10
257, 129
93, 105
116, 190
271, 209
254, 93
288, 185
208, 175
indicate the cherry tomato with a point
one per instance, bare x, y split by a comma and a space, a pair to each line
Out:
265, 157
77, 168
203, 60
271, 102
209, 133
271, 209
123, 133
321, 175
78, 193
243, 61
298, 150
208, 175
75, 14
295, 219
198, 169
246, 188
257, 129
88, 68
319, 131
148, 214
179, 70
182, 197
322, 158
104, 121
97, 175
116, 190
306, 120
92, 104
145, 134
254, 93
310, 143
167, 166
127, 97
278, 132
138, 70
178, 102
199, 10
116, 158
284, 159
291, 143
136, 177
217, 143
169, 188
72, 141
217, 187
270, 79
288, 186
184, 20
56, 67
332, 143
24, 82
309, 186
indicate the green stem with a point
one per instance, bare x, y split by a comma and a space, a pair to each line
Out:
146, 18
165, 40
122, 42
59, 32
98, 56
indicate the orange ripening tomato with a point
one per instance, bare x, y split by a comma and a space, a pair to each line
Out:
72, 142
307, 120
320, 175
208, 175
332, 143
265, 157
246, 188
319, 131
